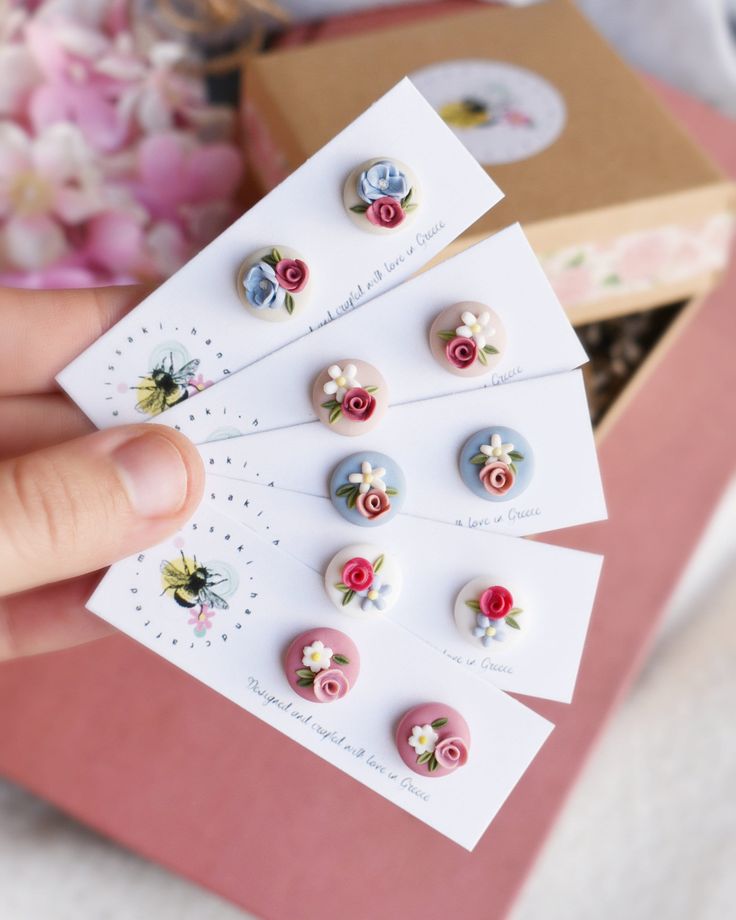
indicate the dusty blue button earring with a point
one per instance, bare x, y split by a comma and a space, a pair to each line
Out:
496, 463
367, 488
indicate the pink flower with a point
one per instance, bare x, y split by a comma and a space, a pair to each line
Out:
357, 574
497, 478
496, 602
201, 620
358, 405
45, 183
461, 352
372, 504
292, 275
199, 383
451, 753
330, 685
385, 212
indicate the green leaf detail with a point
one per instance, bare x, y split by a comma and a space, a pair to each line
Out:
515, 455
432, 764
512, 622
349, 595
303, 682
341, 586
276, 255
344, 489
515, 611
377, 565
406, 200
423, 758
482, 357
512, 467
391, 491
330, 404
359, 208
478, 459
371, 389
410, 207
447, 335
341, 659
289, 304
438, 723
474, 605
269, 260
353, 497
490, 350
576, 260
335, 413
305, 674
611, 280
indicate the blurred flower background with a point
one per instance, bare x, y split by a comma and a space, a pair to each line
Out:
114, 167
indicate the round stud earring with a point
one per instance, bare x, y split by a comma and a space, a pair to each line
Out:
322, 665
433, 739
381, 195
496, 463
363, 581
367, 488
487, 615
350, 397
467, 339
273, 283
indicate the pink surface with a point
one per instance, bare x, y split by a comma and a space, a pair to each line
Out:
117, 737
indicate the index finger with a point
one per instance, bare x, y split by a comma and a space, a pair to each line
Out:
42, 331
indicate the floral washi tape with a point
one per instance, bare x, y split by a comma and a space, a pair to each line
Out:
496, 464
350, 397
433, 739
322, 665
467, 339
381, 195
487, 615
363, 580
367, 488
273, 283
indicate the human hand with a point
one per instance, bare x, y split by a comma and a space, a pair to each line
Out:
72, 500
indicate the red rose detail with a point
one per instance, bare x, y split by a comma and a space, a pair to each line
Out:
496, 602
461, 351
385, 212
357, 574
372, 504
358, 405
292, 275
497, 478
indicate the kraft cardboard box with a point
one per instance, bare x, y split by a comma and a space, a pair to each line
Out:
623, 208
136, 749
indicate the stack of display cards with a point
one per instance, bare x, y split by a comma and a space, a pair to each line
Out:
375, 446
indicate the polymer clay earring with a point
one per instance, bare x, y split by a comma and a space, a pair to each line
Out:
273, 283
381, 195
496, 463
467, 339
367, 488
486, 615
363, 581
322, 665
433, 739
350, 397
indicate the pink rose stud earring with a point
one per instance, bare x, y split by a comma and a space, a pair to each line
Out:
381, 195
363, 581
350, 397
488, 615
322, 665
273, 283
467, 339
433, 739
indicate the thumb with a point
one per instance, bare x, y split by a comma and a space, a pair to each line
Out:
78, 506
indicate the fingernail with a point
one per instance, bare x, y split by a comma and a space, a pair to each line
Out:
154, 475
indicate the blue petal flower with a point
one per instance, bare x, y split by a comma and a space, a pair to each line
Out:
262, 289
383, 179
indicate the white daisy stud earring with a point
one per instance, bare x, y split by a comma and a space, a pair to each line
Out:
350, 397
363, 581
433, 740
273, 283
489, 616
496, 463
468, 339
381, 195
322, 665
367, 488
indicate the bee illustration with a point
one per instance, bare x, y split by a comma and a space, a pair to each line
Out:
467, 113
164, 387
191, 583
